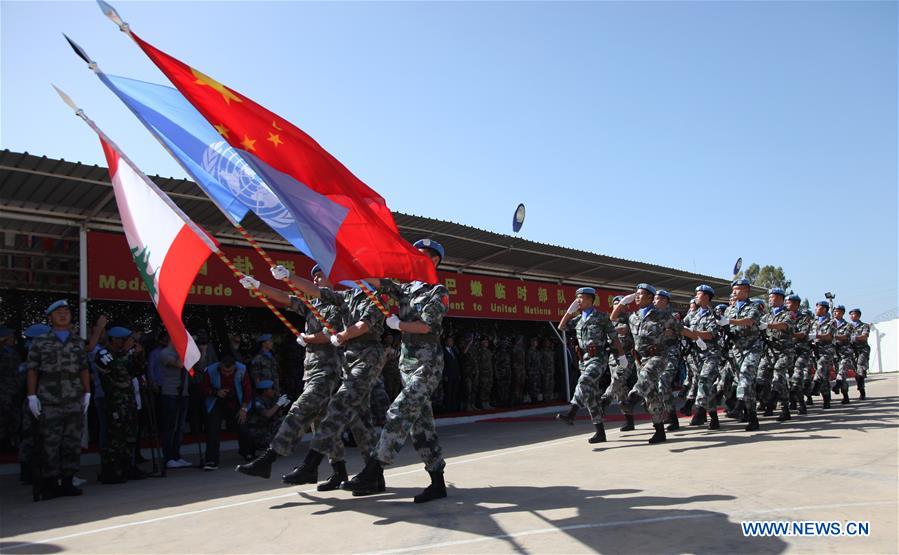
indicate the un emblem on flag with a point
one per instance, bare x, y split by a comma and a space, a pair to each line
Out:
225, 165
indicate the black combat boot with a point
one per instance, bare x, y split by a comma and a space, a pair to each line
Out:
837, 386
337, 477
793, 396
802, 407
437, 489
687, 409
135, 473
713, 420
306, 473
860, 385
67, 488
826, 404
367, 482
659, 436
673, 422
25, 473
629, 424
699, 418
598, 437
753, 424
261, 467
816, 387
568, 417
49, 488
845, 400
111, 474
769, 407
808, 400
784, 413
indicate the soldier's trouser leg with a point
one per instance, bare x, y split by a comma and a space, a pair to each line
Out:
586, 392
26, 445
708, 375
549, 387
799, 377
647, 386
485, 385
619, 387
693, 372
846, 364
362, 426
61, 438
780, 380
765, 377
308, 408
861, 362
665, 379
822, 373
748, 362
534, 385
411, 414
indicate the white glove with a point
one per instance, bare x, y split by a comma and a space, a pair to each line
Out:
283, 400
723, 321
763, 326
34, 405
393, 322
280, 273
300, 341
135, 385
249, 282
622, 361
701, 344
628, 299
86, 402
335, 341
574, 307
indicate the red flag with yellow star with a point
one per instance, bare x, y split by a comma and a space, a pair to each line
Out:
346, 224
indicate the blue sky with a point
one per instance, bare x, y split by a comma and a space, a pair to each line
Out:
683, 134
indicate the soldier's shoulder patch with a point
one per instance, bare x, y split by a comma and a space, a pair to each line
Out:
444, 300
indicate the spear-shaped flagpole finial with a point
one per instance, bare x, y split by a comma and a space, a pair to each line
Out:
82, 54
68, 100
112, 14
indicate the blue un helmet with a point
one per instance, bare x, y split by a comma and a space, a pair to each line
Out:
664, 293
586, 291
432, 245
119, 332
706, 289
825, 304
741, 281
777, 291
57, 304
646, 287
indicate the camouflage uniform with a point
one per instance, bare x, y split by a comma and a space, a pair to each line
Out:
692, 362
485, 375
666, 378
824, 351
746, 350
779, 353
502, 374
548, 371
861, 348
10, 398
593, 332
321, 374
350, 406
261, 429
422, 366
116, 370
708, 360
801, 375
470, 376
393, 382
519, 376
534, 364
845, 355
59, 366
623, 377
653, 330
265, 367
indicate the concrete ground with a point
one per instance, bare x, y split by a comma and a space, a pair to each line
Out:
520, 486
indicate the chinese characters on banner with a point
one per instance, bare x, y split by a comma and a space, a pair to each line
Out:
112, 275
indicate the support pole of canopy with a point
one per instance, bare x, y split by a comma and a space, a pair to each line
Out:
82, 281
564, 339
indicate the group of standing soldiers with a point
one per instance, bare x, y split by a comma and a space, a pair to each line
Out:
739, 355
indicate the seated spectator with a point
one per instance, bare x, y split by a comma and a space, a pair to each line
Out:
264, 417
228, 394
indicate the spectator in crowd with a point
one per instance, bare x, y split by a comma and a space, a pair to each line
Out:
519, 374
264, 417
264, 366
236, 348
26, 442
10, 359
470, 377
485, 373
227, 396
502, 373
196, 410
172, 379
534, 369
548, 370
451, 375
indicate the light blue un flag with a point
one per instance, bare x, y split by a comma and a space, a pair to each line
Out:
216, 167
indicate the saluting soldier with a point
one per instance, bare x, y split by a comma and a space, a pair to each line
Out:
859, 342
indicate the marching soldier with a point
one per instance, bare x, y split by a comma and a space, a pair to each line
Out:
701, 325
845, 355
662, 301
593, 330
743, 317
422, 309
777, 362
623, 375
58, 397
803, 351
859, 342
821, 335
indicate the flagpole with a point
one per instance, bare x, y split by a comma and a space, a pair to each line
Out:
373, 298
201, 233
94, 67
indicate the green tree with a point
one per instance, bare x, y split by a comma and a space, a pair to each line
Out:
766, 276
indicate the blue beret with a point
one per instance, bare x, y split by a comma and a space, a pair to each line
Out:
825, 304
840, 307
587, 291
264, 384
795, 298
315, 269
721, 306
617, 298
858, 310
430, 244
264, 337
119, 332
777, 291
706, 289
35, 330
646, 287
663, 293
757, 301
741, 281
58, 304
5, 332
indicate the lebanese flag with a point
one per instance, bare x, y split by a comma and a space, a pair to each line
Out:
168, 248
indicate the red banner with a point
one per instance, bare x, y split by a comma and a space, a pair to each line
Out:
113, 276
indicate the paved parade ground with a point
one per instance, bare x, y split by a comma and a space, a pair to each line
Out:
531, 485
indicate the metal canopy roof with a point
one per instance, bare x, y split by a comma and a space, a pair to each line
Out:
45, 196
